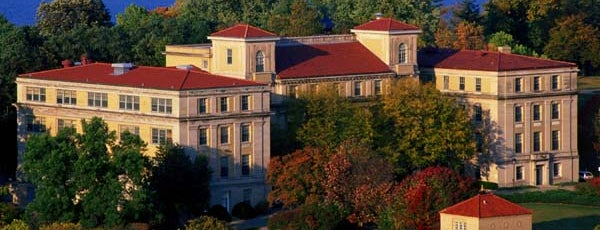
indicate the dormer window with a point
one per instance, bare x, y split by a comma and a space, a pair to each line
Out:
260, 61
402, 53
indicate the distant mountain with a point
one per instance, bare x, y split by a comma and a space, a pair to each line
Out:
22, 12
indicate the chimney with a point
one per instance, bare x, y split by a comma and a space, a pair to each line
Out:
184, 67
378, 15
67, 63
504, 49
121, 68
84, 59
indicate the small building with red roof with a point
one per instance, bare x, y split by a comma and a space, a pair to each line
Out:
485, 211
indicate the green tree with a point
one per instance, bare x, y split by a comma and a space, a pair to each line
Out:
87, 178
499, 39
60, 16
419, 127
468, 11
468, 36
295, 18
181, 184
575, 41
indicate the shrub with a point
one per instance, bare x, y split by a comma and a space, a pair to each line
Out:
314, 216
243, 210
262, 207
219, 212
488, 185
61, 226
553, 196
206, 222
16, 224
8, 212
590, 187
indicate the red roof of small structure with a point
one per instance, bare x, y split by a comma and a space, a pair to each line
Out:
484, 60
166, 78
333, 59
243, 31
486, 205
385, 24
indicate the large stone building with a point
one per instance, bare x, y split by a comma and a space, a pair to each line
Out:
524, 112
226, 119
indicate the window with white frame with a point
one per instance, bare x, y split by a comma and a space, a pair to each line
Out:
161, 136
446, 82
537, 82
36, 94
556, 170
245, 132
461, 83
203, 136
402, 53
377, 87
224, 134
518, 114
97, 99
245, 102
357, 88
229, 56
260, 61
245, 164
202, 105
477, 84
518, 82
460, 225
555, 80
65, 123
519, 173
129, 102
162, 105
224, 104
67, 97
35, 124
536, 112
555, 110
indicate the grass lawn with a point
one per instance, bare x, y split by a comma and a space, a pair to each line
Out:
563, 216
591, 82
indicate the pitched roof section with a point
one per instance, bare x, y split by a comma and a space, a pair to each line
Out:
484, 60
243, 31
165, 78
319, 60
385, 24
485, 206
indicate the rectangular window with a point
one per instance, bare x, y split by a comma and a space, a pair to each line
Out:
68, 97
555, 139
247, 196
161, 136
555, 82
245, 102
245, 137
36, 94
245, 165
460, 225
223, 104
64, 123
537, 141
202, 105
162, 105
377, 87
556, 170
224, 166
203, 136
461, 83
518, 143
519, 172
357, 88
224, 134
446, 82
518, 114
129, 102
35, 124
536, 83
517, 84
555, 110
229, 56
97, 99
536, 112
129, 128
478, 116
477, 84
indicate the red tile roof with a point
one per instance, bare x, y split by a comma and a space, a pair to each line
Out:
484, 60
166, 78
486, 205
385, 24
334, 59
243, 31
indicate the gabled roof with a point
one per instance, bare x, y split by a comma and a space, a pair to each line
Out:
165, 78
334, 59
484, 60
243, 31
485, 206
385, 24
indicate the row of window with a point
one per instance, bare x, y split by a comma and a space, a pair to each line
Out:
260, 60
132, 102
225, 164
358, 88
518, 87
536, 112
224, 134
556, 171
537, 141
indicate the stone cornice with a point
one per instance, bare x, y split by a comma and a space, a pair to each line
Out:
305, 80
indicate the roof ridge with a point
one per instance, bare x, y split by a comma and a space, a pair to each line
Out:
187, 74
389, 24
246, 31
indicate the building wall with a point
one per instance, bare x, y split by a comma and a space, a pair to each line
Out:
197, 55
449, 221
498, 99
519, 222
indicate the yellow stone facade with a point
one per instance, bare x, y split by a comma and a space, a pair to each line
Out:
452, 222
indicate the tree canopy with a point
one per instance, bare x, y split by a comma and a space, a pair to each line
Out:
60, 16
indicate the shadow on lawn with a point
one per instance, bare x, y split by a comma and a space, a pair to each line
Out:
575, 223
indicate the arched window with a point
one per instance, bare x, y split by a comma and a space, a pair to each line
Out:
260, 61
402, 53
